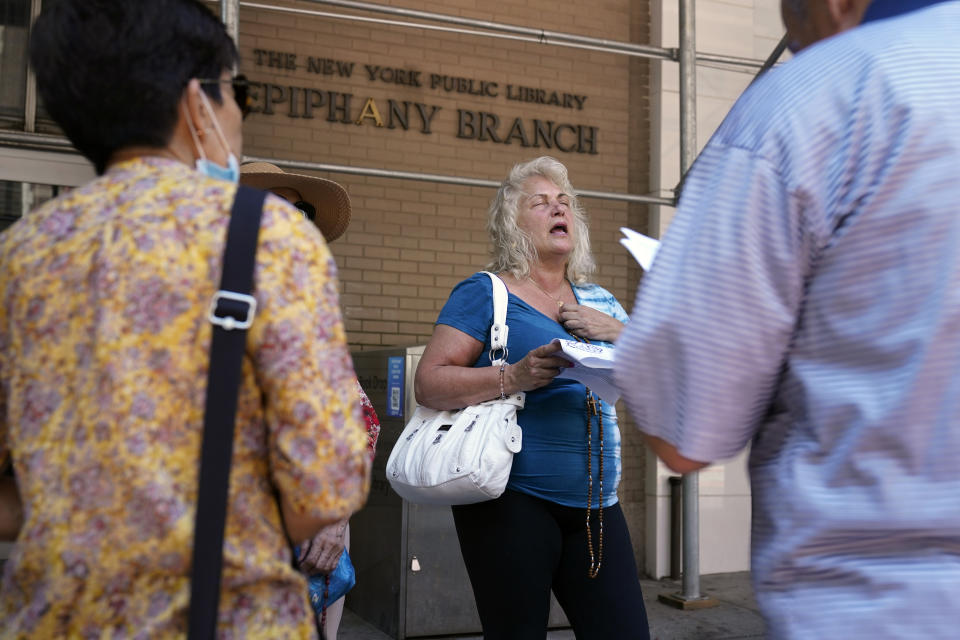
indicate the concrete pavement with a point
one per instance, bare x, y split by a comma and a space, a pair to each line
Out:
734, 618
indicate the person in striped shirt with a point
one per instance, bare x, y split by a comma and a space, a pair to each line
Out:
805, 302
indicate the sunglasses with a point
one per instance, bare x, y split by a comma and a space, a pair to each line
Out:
241, 91
308, 210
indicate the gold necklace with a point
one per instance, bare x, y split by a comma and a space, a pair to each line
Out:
544, 292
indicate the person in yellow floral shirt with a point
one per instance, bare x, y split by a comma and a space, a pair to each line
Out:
104, 349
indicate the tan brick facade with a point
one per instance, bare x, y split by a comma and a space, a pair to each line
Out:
410, 242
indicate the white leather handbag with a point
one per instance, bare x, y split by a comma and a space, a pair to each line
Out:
462, 456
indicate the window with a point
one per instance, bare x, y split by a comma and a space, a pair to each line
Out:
17, 198
14, 27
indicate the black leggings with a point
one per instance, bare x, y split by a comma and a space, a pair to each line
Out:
518, 547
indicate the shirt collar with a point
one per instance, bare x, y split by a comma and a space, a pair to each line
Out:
881, 9
152, 164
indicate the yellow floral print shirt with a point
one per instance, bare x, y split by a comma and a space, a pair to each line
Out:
104, 348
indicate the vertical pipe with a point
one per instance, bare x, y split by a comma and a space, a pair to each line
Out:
688, 151
230, 14
676, 524
691, 536
688, 85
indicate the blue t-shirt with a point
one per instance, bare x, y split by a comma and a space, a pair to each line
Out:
553, 462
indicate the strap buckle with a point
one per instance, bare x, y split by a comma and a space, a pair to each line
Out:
494, 351
237, 306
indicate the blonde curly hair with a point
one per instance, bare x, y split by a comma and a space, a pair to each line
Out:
513, 249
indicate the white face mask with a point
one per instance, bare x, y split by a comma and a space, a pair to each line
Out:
231, 172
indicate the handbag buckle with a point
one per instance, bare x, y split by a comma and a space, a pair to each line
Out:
494, 350
232, 310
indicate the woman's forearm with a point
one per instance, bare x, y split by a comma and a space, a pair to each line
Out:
446, 387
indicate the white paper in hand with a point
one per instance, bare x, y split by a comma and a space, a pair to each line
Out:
642, 248
592, 367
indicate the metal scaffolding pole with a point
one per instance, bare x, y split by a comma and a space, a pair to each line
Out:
442, 179
690, 597
511, 32
688, 152
542, 35
472, 27
688, 85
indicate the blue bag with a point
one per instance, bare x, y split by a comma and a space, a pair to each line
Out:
341, 580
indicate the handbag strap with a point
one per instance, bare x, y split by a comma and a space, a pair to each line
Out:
499, 331
231, 312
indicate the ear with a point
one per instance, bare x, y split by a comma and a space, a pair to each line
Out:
195, 108
189, 108
846, 14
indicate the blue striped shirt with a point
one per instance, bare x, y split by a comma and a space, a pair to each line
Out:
806, 299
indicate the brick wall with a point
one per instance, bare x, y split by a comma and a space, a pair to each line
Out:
409, 242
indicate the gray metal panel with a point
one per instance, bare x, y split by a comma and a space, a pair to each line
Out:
377, 532
439, 597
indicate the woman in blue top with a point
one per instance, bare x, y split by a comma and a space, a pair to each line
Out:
558, 526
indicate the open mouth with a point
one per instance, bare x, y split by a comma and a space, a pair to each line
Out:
559, 229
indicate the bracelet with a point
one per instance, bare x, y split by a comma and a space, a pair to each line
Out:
503, 365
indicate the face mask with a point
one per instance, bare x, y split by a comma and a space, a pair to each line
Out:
209, 168
230, 173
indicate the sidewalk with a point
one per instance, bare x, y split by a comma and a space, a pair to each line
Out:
734, 618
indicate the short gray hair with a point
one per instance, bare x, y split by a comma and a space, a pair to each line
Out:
513, 250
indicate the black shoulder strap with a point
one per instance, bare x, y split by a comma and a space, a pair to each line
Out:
231, 312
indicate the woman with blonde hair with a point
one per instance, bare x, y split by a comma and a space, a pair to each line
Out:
558, 525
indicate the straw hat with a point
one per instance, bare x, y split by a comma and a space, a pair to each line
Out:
329, 198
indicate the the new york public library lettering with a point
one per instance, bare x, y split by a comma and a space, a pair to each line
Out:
481, 125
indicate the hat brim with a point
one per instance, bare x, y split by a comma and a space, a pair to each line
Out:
329, 198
